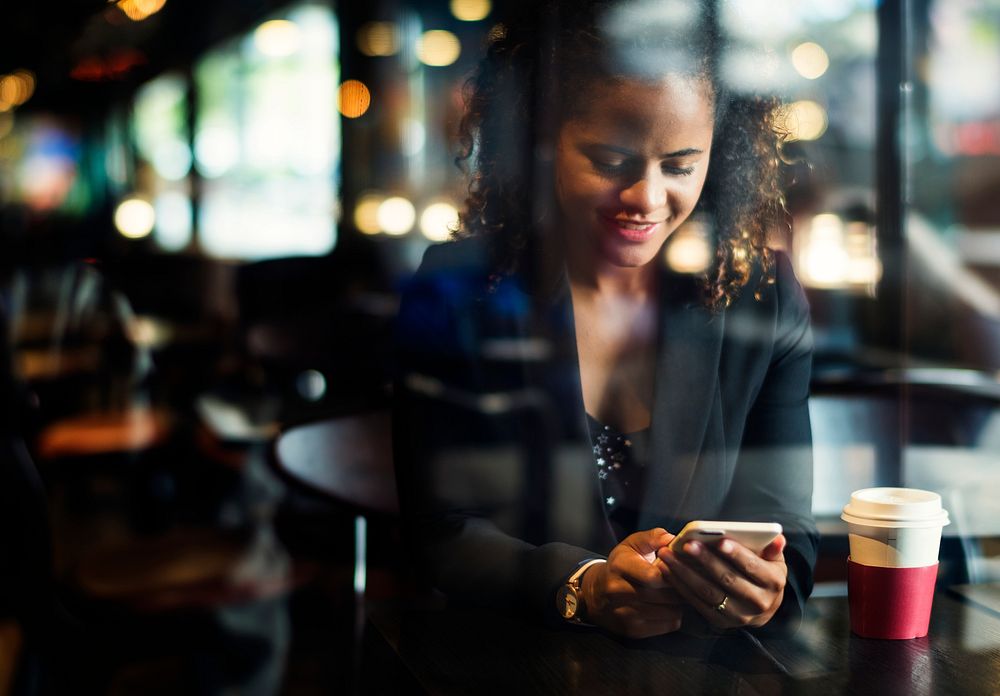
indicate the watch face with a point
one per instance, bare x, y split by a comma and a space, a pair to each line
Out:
568, 604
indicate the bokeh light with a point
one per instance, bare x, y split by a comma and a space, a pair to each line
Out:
174, 220
16, 88
823, 260
413, 136
366, 213
378, 39
311, 385
470, 10
438, 221
138, 10
135, 218
353, 98
810, 60
805, 120
396, 215
172, 159
688, 250
216, 149
438, 48
277, 38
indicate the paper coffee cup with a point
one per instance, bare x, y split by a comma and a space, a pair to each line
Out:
895, 527
895, 536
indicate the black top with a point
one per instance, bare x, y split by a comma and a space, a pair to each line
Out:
621, 460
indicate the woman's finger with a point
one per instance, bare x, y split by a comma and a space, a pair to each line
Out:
727, 618
635, 558
753, 597
767, 574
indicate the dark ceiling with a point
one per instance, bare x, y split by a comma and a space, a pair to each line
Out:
52, 38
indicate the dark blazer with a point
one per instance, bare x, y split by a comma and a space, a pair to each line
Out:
496, 474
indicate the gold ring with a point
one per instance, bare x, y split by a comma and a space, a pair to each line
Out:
721, 606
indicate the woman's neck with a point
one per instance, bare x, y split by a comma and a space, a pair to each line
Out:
593, 278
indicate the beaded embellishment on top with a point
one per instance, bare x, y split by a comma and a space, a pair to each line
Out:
619, 473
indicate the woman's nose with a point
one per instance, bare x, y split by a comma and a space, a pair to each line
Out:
647, 193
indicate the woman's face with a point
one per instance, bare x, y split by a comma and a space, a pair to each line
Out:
630, 167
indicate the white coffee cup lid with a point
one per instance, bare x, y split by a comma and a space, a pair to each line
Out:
903, 507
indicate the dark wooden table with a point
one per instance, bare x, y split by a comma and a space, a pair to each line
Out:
466, 652
347, 459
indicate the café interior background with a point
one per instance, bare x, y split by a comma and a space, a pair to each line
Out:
208, 210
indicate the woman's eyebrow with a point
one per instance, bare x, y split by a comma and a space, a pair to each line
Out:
686, 152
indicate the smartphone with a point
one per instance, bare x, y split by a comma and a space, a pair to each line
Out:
754, 535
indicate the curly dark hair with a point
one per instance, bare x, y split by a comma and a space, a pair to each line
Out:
537, 64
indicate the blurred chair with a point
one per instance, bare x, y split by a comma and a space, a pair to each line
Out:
70, 342
184, 315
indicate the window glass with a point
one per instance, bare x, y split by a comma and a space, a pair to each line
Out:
267, 141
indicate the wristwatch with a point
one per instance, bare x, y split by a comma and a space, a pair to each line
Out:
568, 600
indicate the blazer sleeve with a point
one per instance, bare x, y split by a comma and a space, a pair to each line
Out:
773, 478
455, 536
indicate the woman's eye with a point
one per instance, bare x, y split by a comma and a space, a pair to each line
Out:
609, 167
678, 171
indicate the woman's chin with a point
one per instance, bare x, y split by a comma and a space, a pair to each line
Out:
632, 255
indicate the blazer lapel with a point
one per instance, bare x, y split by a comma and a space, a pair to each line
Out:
573, 508
686, 395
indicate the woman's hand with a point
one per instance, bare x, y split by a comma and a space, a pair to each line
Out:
630, 594
730, 585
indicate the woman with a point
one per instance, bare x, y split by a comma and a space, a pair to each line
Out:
641, 398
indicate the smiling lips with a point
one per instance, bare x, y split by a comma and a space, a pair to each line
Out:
631, 230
